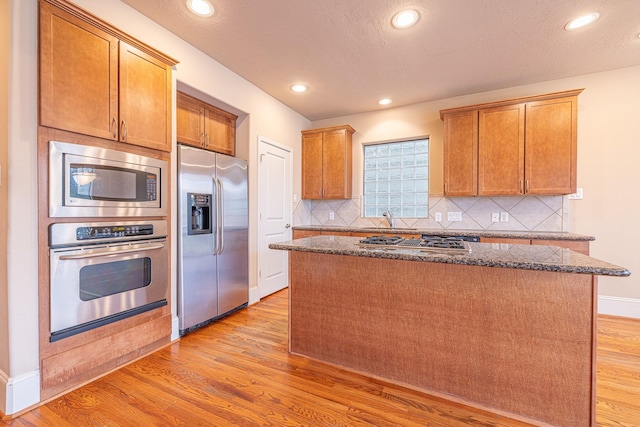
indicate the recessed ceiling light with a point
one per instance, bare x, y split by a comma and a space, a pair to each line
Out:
405, 18
299, 88
200, 7
384, 101
582, 21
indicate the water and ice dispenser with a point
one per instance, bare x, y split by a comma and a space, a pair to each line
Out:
200, 211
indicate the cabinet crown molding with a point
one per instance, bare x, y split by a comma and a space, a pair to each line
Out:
86, 16
573, 92
330, 128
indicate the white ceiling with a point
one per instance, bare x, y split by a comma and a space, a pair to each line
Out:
350, 56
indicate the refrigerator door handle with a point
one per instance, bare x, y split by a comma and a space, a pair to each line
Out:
221, 210
216, 228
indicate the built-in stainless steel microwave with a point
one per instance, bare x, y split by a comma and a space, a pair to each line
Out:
86, 181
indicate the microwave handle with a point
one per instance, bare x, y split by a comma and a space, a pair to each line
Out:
109, 253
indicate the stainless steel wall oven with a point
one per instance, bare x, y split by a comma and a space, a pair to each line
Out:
104, 272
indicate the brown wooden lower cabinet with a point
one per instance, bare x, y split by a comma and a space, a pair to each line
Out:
580, 246
301, 234
505, 240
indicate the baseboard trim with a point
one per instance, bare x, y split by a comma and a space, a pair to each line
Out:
175, 328
619, 306
19, 393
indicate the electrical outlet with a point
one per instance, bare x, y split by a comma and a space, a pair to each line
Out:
504, 216
454, 216
438, 216
495, 217
331, 216
578, 195
295, 198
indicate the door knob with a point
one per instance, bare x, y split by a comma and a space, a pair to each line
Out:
287, 226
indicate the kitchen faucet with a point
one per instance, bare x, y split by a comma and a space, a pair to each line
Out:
389, 216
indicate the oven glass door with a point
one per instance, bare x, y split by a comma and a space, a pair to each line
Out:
111, 278
93, 283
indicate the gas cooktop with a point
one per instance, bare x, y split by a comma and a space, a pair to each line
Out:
447, 244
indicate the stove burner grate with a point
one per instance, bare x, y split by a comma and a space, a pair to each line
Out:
425, 243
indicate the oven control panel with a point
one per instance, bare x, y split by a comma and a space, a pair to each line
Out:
66, 234
113, 231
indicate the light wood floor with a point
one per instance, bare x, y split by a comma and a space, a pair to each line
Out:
237, 372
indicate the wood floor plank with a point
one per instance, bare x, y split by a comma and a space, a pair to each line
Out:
238, 372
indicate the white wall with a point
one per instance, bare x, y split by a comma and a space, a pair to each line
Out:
263, 115
21, 384
608, 153
4, 135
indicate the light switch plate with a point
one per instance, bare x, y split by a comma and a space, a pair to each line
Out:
438, 216
495, 217
504, 216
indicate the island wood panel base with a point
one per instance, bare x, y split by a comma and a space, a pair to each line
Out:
517, 342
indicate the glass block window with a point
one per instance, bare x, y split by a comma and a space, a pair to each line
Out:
396, 179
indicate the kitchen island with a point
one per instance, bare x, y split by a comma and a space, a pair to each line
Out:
507, 328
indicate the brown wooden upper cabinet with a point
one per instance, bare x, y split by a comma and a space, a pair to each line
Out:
96, 80
326, 163
520, 146
205, 126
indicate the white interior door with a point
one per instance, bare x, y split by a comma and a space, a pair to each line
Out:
274, 202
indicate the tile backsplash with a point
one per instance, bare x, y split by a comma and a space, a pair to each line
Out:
525, 213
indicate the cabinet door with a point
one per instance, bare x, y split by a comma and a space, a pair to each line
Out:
551, 146
501, 150
312, 165
461, 154
189, 121
78, 75
581, 246
220, 131
336, 164
506, 240
301, 234
145, 99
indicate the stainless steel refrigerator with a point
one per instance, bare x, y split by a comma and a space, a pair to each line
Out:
213, 252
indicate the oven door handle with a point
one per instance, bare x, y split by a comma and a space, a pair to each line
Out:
110, 253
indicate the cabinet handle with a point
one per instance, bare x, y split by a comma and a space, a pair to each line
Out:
124, 130
202, 139
521, 186
114, 128
207, 141
527, 186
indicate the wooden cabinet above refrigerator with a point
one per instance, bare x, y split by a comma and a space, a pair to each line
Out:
202, 125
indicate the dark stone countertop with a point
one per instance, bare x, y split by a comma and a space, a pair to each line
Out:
523, 257
481, 233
